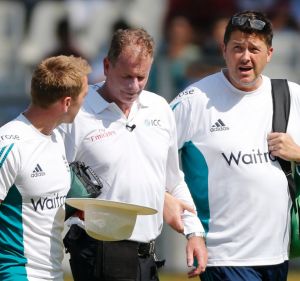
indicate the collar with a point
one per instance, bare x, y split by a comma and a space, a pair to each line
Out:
94, 100
98, 104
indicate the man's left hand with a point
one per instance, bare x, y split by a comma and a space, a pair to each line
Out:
196, 248
283, 146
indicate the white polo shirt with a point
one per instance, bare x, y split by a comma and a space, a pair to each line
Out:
239, 189
136, 156
34, 181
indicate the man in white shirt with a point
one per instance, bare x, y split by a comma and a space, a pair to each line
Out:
228, 151
35, 175
128, 137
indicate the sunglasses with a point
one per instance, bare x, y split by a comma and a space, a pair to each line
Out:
254, 23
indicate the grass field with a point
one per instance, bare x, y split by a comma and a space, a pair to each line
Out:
293, 276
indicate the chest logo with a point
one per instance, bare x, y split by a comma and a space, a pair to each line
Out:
219, 126
38, 171
101, 134
153, 122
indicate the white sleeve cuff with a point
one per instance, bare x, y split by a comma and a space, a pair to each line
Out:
191, 223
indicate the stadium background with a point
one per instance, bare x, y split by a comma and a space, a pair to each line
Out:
187, 35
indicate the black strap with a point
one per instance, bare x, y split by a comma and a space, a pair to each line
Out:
281, 104
281, 111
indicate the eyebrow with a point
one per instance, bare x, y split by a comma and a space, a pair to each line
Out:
243, 42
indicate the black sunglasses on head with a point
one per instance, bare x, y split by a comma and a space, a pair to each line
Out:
254, 23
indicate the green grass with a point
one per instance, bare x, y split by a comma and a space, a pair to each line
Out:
293, 276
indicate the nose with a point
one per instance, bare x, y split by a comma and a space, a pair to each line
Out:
133, 84
245, 55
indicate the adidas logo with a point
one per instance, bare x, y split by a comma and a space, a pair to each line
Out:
37, 172
219, 126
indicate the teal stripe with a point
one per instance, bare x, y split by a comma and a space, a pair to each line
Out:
195, 170
12, 258
1, 151
174, 106
5, 155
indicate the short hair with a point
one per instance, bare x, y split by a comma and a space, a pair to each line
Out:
123, 38
246, 26
58, 77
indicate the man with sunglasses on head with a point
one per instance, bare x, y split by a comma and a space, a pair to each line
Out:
224, 124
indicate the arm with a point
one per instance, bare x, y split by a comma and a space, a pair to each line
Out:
196, 248
173, 210
177, 187
192, 227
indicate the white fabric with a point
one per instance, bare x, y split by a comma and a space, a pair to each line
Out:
137, 166
34, 181
225, 131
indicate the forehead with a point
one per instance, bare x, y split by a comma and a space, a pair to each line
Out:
134, 56
239, 37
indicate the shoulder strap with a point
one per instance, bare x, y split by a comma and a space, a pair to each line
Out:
281, 111
281, 104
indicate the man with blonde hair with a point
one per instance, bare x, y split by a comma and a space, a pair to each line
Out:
34, 173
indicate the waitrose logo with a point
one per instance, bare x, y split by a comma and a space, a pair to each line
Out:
255, 157
48, 202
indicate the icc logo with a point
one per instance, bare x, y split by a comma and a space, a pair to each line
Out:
153, 122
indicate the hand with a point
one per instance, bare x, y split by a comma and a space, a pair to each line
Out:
196, 248
283, 146
173, 209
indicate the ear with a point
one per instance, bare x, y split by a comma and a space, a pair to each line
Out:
223, 47
66, 103
270, 53
106, 64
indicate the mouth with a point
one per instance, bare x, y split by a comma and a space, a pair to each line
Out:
245, 69
130, 96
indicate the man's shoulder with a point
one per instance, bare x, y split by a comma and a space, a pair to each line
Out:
295, 87
295, 93
14, 131
197, 90
149, 98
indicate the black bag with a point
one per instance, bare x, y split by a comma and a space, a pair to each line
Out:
84, 184
281, 111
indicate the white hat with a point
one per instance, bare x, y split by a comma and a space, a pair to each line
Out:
109, 220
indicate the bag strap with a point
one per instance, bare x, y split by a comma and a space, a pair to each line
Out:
281, 104
281, 111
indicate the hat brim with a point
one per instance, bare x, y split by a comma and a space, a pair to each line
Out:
82, 203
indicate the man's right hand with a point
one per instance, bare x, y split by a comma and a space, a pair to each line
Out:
173, 209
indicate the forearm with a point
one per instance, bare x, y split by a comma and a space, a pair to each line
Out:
191, 222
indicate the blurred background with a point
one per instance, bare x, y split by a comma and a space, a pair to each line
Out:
188, 34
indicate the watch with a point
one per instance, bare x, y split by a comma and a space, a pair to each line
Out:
195, 234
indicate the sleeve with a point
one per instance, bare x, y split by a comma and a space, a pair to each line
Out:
8, 168
67, 132
182, 112
294, 117
176, 185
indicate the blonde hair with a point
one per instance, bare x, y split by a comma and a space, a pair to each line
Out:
57, 77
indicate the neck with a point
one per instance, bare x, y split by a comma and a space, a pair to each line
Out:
42, 119
246, 87
105, 94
